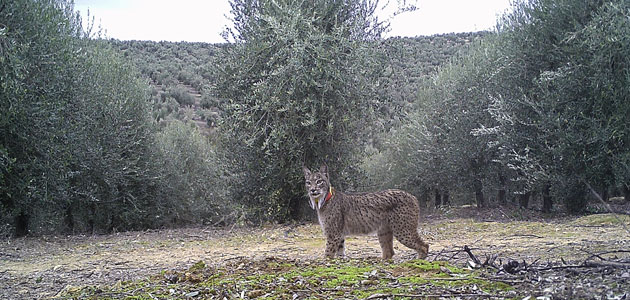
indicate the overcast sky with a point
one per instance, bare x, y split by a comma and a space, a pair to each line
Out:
203, 20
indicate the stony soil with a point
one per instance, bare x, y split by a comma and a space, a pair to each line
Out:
48, 267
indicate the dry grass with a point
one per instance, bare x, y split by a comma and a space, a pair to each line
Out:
41, 267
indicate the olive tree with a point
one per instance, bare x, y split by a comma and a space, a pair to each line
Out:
563, 95
74, 132
300, 82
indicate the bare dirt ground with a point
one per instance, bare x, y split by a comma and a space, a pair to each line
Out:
43, 267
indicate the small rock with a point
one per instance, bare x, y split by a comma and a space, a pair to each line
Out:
255, 293
193, 294
369, 282
171, 278
625, 275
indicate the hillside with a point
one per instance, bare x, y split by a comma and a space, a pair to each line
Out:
180, 73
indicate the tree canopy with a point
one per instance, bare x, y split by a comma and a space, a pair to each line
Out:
540, 105
302, 82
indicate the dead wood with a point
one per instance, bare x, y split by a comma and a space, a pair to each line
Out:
489, 262
599, 255
471, 255
607, 206
514, 267
432, 296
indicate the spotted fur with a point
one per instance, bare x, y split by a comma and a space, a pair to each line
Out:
389, 213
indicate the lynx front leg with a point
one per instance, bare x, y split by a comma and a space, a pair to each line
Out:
335, 245
386, 239
341, 251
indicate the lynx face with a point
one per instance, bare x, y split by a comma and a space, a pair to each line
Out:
317, 186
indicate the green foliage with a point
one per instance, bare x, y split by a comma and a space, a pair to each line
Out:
410, 63
439, 148
189, 177
181, 95
74, 127
169, 65
112, 177
79, 152
301, 88
176, 73
562, 109
78, 149
542, 104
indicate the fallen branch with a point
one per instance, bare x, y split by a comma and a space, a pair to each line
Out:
453, 256
499, 279
443, 252
588, 265
438, 255
472, 256
431, 296
608, 263
528, 235
489, 262
607, 206
599, 255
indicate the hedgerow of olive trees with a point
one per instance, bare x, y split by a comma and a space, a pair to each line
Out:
300, 83
561, 98
437, 150
75, 127
541, 105
78, 150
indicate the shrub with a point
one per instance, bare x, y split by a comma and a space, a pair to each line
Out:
190, 177
181, 95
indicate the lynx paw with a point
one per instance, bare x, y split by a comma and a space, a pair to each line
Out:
423, 252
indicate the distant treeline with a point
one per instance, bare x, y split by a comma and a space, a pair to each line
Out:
102, 135
177, 69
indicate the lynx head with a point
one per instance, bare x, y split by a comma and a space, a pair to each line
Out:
318, 187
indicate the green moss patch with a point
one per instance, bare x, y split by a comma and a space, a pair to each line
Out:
602, 220
273, 278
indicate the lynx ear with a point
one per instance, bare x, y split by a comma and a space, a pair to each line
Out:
324, 169
307, 172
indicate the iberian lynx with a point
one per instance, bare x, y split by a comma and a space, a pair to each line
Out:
390, 213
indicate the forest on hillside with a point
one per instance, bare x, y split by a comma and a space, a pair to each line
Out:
101, 135
180, 73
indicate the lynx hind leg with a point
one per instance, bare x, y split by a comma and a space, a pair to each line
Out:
341, 251
335, 246
410, 238
386, 239
405, 228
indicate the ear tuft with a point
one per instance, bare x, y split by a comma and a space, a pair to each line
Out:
307, 172
324, 169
